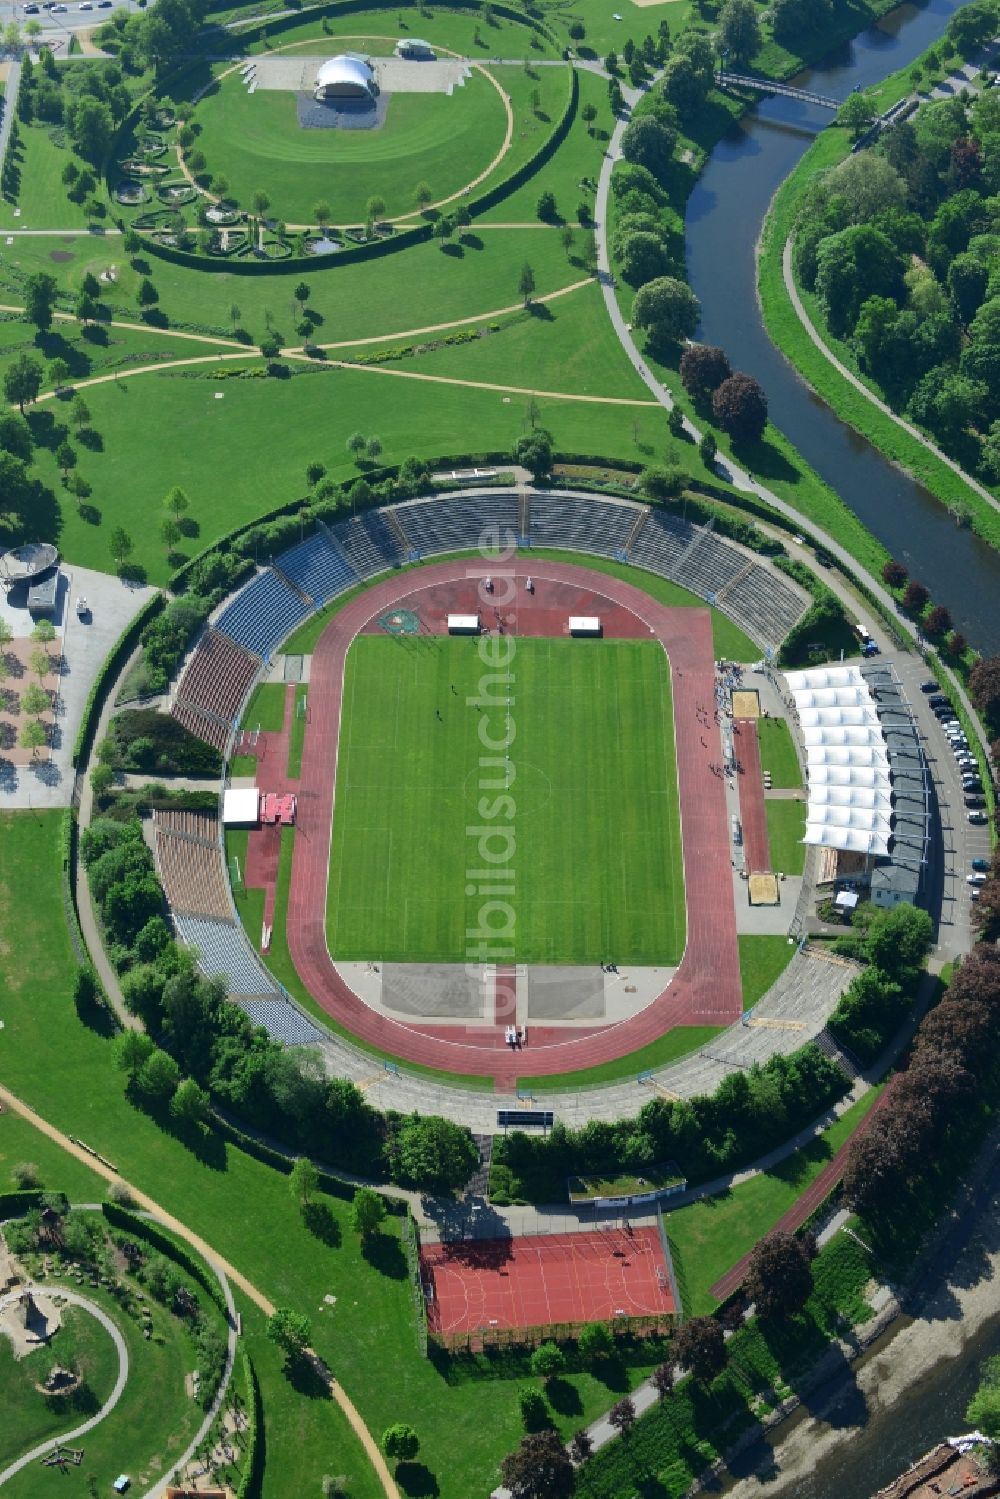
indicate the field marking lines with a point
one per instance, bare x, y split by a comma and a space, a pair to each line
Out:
411, 213
181, 1229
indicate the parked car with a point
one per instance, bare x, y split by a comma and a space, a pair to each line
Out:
977, 818
937, 700
929, 686
975, 879
31, 10
974, 894
983, 864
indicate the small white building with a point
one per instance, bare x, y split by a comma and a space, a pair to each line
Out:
584, 625
414, 49
347, 76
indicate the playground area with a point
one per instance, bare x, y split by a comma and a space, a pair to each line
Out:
546, 1281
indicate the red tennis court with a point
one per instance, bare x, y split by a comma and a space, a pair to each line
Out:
554, 1278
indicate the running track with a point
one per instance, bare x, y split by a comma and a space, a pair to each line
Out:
753, 812
706, 989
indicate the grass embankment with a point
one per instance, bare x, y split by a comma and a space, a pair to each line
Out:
30, 1417
786, 329
300, 714
762, 962
708, 1237
265, 709
596, 790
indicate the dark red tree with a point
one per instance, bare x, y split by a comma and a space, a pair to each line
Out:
938, 620
894, 573
539, 1469
955, 644
984, 685
967, 161
778, 1279
703, 368
663, 1379
701, 1347
739, 406
622, 1416
915, 596
581, 1446
986, 911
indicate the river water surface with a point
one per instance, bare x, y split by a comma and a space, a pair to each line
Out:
724, 216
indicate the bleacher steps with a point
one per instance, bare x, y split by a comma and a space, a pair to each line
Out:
524, 516
831, 1047
300, 593
395, 525
745, 573
641, 518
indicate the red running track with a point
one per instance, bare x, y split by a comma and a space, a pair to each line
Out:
706, 989
753, 813
554, 1278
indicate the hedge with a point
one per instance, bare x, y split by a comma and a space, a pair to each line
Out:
251, 1483
156, 1238
108, 675
377, 248
16, 1204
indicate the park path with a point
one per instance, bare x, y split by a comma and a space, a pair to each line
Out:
100, 1315
859, 385
514, 390
235, 1276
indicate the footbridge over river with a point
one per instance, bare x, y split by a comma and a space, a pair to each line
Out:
726, 79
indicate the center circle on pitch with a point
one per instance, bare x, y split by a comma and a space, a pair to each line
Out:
530, 788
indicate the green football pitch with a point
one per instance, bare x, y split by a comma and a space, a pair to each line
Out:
597, 872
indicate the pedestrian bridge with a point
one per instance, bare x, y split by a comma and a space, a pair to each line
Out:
726, 79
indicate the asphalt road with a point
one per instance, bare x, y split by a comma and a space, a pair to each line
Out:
54, 26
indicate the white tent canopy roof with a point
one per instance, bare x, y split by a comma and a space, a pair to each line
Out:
850, 788
346, 68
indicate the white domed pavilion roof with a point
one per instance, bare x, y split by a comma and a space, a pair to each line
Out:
346, 68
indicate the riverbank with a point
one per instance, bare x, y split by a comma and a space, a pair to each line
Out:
911, 1354
790, 334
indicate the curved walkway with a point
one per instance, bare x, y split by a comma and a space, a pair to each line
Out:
859, 385
176, 1226
706, 988
75, 1299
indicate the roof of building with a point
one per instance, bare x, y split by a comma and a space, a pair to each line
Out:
346, 67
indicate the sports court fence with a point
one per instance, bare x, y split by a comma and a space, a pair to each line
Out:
411, 1249
564, 1334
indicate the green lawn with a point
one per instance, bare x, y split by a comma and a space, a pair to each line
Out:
777, 753
81, 1344
597, 864
298, 734
786, 825
41, 194
762, 962
708, 1237
266, 708
256, 141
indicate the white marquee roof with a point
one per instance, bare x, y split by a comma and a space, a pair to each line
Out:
850, 789
345, 68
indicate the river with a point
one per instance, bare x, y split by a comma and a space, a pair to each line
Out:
724, 216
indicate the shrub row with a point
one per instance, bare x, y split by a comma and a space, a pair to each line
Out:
108, 675
251, 1481
164, 1243
16, 1204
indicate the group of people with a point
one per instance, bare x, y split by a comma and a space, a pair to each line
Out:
516, 1038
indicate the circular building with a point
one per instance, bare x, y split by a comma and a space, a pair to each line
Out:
347, 76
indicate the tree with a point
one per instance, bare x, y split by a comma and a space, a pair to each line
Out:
270, 346
703, 368
547, 1361
66, 458
661, 483
955, 644
79, 413
170, 534
622, 1416
595, 1342
526, 283
35, 700
894, 573
899, 940
158, 1076
260, 203
91, 128
857, 113
39, 296
176, 502
739, 407
367, 1212
356, 444
915, 596
581, 1447
374, 210
779, 1275
400, 1442
938, 620
120, 545
58, 374
539, 1469
22, 381
667, 309
983, 1410
588, 115
147, 295
707, 449
33, 736
190, 1104
701, 1347
86, 308
649, 143
968, 278
662, 1379
302, 292
322, 213
643, 257
422, 194
546, 208
314, 472
435, 1153
739, 29
984, 685
291, 1331
44, 632
40, 663
534, 1412
534, 452
15, 436
444, 228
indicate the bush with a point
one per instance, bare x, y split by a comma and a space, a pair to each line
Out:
147, 740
